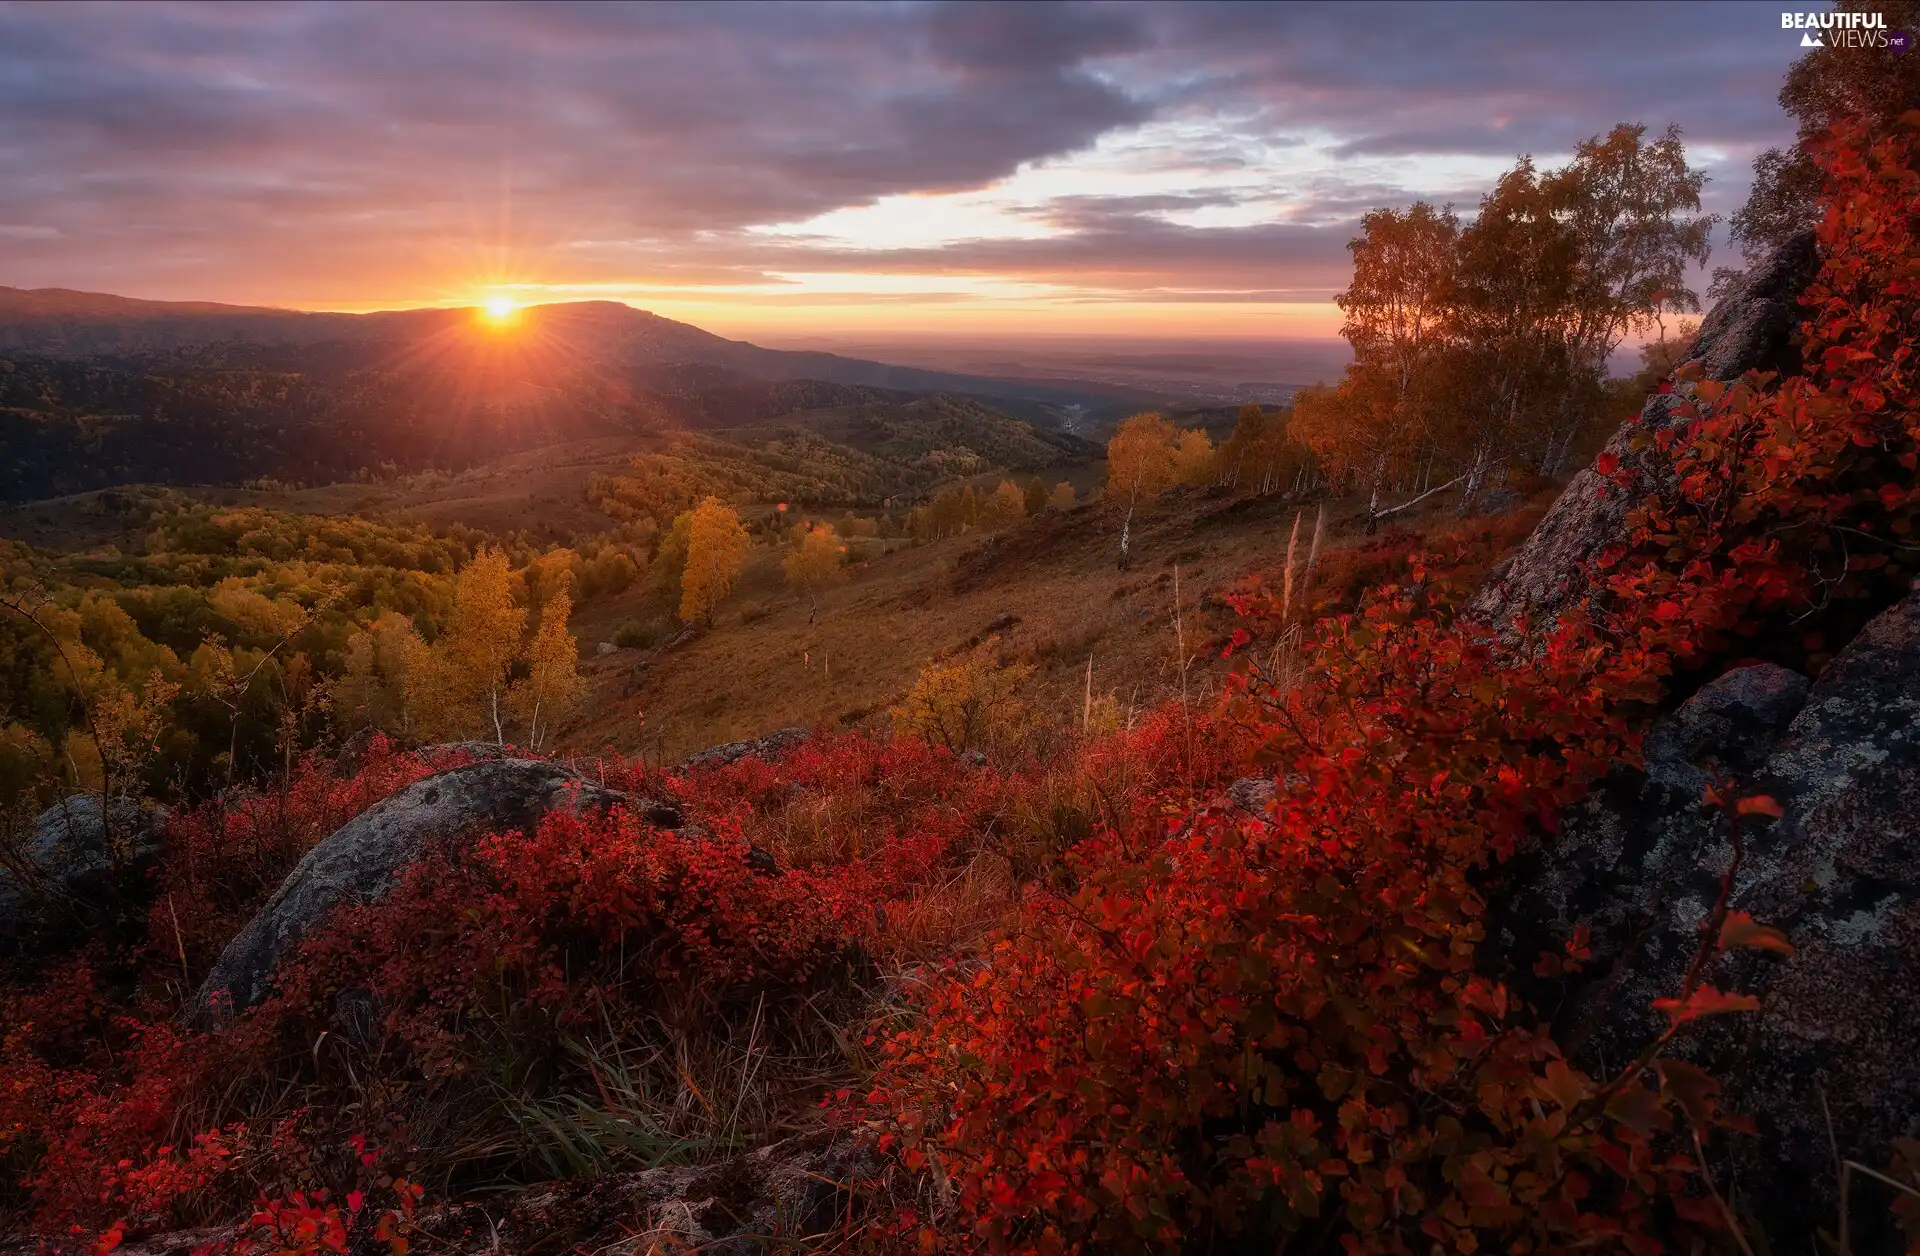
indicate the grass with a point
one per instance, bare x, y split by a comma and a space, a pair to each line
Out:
1055, 577
871, 637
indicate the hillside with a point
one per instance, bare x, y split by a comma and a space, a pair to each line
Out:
99, 391
58, 323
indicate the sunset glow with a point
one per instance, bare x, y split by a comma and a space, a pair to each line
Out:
1172, 170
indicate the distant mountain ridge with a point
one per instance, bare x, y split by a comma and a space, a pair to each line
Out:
60, 322
98, 391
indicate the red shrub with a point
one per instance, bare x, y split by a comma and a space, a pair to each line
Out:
226, 857
1265, 1027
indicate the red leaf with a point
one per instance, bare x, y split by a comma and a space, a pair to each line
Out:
1742, 930
1705, 1001
1562, 1085
1692, 1087
1759, 805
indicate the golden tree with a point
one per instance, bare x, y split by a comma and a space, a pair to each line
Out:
1062, 497
1005, 507
474, 654
1193, 459
814, 564
1141, 457
371, 690
716, 547
966, 702
553, 683
1034, 494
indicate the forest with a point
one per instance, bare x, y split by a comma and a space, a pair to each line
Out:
322, 929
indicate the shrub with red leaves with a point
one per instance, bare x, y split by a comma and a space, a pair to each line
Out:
1272, 1028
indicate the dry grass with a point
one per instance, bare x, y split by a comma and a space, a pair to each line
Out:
1055, 576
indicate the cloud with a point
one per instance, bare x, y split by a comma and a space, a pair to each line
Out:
353, 155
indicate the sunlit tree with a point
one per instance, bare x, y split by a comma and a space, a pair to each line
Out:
552, 685
716, 548
479, 645
1005, 506
814, 564
1194, 463
1142, 458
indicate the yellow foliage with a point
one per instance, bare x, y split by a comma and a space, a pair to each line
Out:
26, 767
553, 683
1142, 457
1193, 459
464, 689
1007, 506
1062, 497
124, 726
966, 702
253, 612
814, 564
371, 690
549, 573
716, 547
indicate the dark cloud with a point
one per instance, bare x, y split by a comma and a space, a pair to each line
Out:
1128, 253
321, 152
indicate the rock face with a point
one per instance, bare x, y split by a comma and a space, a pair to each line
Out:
358, 861
766, 748
75, 868
790, 1190
1831, 1053
1751, 329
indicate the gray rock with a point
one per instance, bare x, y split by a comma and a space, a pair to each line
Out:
358, 861
1725, 729
74, 868
766, 748
1252, 794
1750, 329
1640, 864
604, 648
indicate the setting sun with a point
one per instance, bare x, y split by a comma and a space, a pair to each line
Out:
499, 309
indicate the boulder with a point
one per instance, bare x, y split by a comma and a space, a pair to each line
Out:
1750, 329
79, 865
766, 748
1828, 1062
1252, 794
358, 861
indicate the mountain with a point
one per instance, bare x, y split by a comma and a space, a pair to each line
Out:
98, 391
58, 322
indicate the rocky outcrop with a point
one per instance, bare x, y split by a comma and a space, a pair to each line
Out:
1828, 1062
358, 862
1751, 329
767, 748
80, 865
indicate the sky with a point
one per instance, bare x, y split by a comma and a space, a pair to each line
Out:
897, 168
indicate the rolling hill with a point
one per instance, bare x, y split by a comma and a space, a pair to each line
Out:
98, 391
